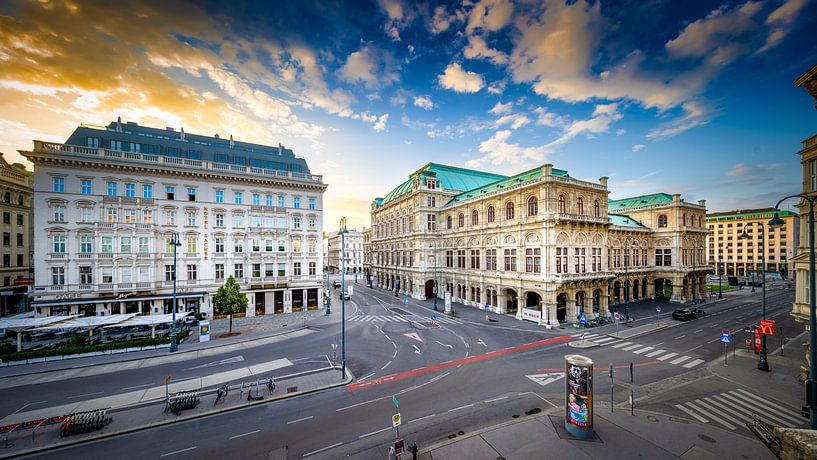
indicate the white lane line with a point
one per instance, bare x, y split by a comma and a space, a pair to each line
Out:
86, 394
699, 330
138, 386
394, 345
365, 377
321, 449
680, 337
753, 406
642, 350
622, 344
693, 363
374, 432
655, 353
385, 366
177, 451
29, 404
693, 414
394, 355
721, 409
693, 349
496, 399
461, 407
667, 356
244, 434
680, 360
421, 418
632, 347
604, 340
299, 420
657, 344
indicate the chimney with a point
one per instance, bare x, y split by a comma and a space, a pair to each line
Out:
603, 181
547, 170
702, 203
676, 197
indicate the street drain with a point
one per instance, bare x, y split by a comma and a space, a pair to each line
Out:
452, 436
515, 416
460, 432
535, 410
706, 438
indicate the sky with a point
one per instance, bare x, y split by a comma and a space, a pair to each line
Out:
689, 97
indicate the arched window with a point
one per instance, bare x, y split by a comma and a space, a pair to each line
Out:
448, 222
475, 218
580, 205
685, 219
561, 204
596, 210
662, 221
533, 206
461, 220
509, 211
490, 214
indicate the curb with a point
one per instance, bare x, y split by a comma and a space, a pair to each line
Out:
582, 344
349, 378
149, 357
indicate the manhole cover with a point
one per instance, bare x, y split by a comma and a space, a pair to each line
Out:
460, 432
292, 389
706, 438
535, 410
652, 418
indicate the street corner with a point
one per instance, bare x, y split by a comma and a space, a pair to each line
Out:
582, 344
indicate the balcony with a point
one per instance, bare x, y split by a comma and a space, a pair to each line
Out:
191, 255
124, 286
85, 255
105, 255
163, 162
143, 255
144, 285
106, 287
86, 287
57, 256
56, 287
104, 225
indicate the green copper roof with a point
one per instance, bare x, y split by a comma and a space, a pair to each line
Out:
624, 221
503, 183
449, 178
747, 214
638, 201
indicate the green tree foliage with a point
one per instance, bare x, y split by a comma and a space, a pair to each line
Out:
229, 300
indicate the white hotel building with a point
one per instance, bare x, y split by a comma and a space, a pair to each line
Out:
108, 202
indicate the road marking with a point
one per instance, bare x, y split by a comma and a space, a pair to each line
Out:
416, 350
704, 411
699, 330
480, 342
322, 449
234, 359
421, 418
693, 414
680, 337
693, 349
657, 344
655, 353
496, 399
29, 404
604, 340
679, 360
394, 355
623, 344
138, 386
444, 344
439, 377
365, 377
632, 347
86, 394
373, 433
667, 356
299, 420
177, 451
394, 345
244, 434
693, 363
642, 350
385, 365
461, 407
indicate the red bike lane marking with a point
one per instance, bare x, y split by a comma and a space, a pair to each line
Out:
471, 359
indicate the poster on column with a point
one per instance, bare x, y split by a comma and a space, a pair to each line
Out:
448, 302
579, 404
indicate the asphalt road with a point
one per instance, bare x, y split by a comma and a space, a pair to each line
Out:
458, 377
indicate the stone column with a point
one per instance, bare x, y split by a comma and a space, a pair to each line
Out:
250, 303
269, 302
287, 301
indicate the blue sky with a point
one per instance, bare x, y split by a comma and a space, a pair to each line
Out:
680, 97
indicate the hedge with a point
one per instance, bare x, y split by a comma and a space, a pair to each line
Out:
89, 348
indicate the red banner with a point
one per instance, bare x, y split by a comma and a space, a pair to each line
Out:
766, 326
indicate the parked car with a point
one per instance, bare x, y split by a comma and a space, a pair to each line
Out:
700, 313
336, 284
684, 314
346, 296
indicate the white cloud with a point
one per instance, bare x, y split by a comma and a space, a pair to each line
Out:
380, 125
497, 87
490, 15
442, 20
696, 113
550, 119
621, 132
399, 97
515, 120
599, 122
750, 174
399, 17
501, 108
499, 151
459, 80
639, 147
780, 21
477, 48
369, 65
424, 102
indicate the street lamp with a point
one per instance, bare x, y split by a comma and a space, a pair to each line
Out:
720, 277
342, 232
174, 241
811, 383
763, 363
434, 246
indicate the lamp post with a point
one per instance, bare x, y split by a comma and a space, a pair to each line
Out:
763, 363
720, 277
811, 383
175, 243
434, 246
342, 232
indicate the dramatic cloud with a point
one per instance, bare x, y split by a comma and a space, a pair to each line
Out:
490, 15
550, 119
515, 120
399, 17
442, 20
424, 102
780, 22
459, 80
477, 49
501, 108
371, 66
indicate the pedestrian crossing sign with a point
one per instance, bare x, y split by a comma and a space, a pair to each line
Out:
726, 338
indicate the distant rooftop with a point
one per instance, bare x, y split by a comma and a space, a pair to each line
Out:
741, 214
638, 202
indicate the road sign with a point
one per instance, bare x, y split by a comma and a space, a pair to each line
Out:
725, 331
399, 446
616, 316
767, 326
583, 319
545, 379
487, 307
726, 338
658, 308
395, 420
394, 400
168, 378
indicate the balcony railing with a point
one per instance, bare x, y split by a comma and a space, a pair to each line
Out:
57, 256
171, 162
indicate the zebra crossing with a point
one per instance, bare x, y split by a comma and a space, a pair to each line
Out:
736, 408
687, 362
399, 319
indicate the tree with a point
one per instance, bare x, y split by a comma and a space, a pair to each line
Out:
229, 300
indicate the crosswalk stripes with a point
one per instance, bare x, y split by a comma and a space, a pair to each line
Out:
622, 344
687, 362
398, 319
655, 353
631, 347
667, 356
605, 340
735, 408
642, 350
680, 360
693, 363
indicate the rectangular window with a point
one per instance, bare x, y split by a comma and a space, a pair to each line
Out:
311, 203
219, 271
256, 221
268, 200
280, 222
256, 270
256, 246
147, 216
296, 223
107, 275
6, 239
219, 196
107, 244
312, 268
59, 214
6, 217
282, 247
58, 276
296, 202
533, 260
125, 275
192, 245
59, 184
130, 216
449, 259
191, 194
147, 191
475, 265
59, 243
85, 186
192, 272
239, 197
490, 259
125, 244
256, 199
461, 258
238, 271
282, 269
296, 269
20, 219
92, 142
19, 239
281, 201
144, 274
86, 275
169, 275
431, 222
238, 246
171, 193
144, 244
86, 214
170, 217
219, 220
238, 220
130, 190
191, 218
219, 245
111, 187
86, 244
510, 260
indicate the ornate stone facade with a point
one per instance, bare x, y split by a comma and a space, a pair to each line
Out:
16, 265
539, 245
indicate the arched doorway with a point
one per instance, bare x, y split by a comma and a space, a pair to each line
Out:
635, 289
617, 292
596, 300
580, 301
429, 289
533, 301
663, 288
561, 307
511, 302
644, 289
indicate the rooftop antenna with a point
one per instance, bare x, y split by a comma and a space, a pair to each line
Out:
182, 135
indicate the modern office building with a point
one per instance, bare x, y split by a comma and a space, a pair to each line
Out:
352, 251
730, 255
539, 245
15, 206
109, 202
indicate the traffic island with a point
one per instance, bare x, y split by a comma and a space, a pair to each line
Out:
584, 343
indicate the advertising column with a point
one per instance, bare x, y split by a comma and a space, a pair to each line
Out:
579, 396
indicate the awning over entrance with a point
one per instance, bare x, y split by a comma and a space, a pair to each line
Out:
61, 302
